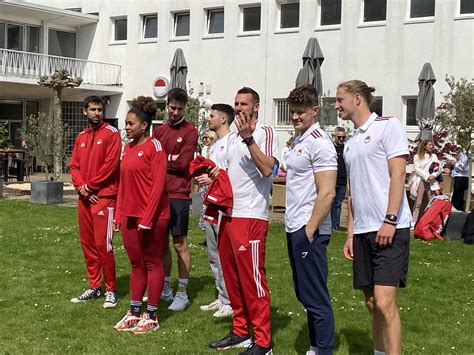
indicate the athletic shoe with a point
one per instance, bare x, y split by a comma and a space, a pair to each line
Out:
255, 349
146, 325
213, 306
111, 299
127, 323
224, 311
231, 341
180, 302
88, 295
167, 294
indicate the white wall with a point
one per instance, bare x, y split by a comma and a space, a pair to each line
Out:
389, 57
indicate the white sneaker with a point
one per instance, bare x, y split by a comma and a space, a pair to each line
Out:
167, 294
213, 306
224, 311
180, 302
111, 299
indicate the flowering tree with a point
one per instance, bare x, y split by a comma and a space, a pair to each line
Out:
456, 117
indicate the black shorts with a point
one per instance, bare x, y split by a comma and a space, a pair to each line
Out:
373, 265
179, 217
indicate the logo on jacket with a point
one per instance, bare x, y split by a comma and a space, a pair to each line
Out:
303, 254
242, 248
99, 141
83, 145
221, 148
367, 139
299, 152
179, 139
140, 153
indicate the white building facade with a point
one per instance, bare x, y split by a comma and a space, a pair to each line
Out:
120, 47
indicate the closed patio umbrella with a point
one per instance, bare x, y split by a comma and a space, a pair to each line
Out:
311, 72
178, 70
425, 104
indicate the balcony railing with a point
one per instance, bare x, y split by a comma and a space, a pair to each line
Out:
35, 65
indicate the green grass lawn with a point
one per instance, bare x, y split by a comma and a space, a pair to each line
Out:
42, 268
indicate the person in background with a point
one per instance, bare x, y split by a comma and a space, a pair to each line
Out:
208, 140
285, 153
427, 169
460, 173
339, 138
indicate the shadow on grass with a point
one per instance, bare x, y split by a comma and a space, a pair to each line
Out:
358, 341
302, 341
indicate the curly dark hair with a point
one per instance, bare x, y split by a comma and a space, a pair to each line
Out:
144, 108
304, 95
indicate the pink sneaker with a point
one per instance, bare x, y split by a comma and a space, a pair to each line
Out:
128, 322
146, 325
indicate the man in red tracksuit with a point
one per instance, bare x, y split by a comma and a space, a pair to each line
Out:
179, 139
95, 175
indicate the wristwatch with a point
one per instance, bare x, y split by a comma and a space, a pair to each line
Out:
248, 141
391, 219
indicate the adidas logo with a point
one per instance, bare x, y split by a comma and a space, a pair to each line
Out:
242, 248
101, 213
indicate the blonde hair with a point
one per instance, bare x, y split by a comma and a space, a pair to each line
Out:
422, 149
359, 87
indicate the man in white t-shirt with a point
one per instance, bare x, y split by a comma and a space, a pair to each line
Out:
220, 118
242, 235
379, 218
310, 190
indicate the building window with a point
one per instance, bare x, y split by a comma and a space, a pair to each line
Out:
410, 111
466, 7
327, 115
150, 26
282, 114
73, 119
377, 106
120, 29
15, 37
375, 10
215, 21
251, 18
62, 43
330, 12
181, 24
32, 39
422, 8
289, 14
2, 35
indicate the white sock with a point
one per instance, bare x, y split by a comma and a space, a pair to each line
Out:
183, 283
167, 281
378, 352
313, 350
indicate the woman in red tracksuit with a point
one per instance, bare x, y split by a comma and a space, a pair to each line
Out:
143, 215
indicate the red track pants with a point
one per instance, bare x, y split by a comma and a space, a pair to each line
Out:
145, 250
95, 230
242, 254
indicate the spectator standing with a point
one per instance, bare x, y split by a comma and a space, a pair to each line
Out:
179, 139
427, 169
341, 182
460, 173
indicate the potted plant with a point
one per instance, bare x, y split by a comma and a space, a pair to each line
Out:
45, 134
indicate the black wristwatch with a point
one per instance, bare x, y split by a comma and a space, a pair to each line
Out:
248, 141
391, 218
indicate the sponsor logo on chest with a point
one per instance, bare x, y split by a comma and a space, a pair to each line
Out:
99, 141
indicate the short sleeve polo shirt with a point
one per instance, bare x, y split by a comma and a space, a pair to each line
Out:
218, 152
250, 188
366, 154
313, 152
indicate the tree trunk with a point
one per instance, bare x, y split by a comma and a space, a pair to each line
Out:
57, 135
